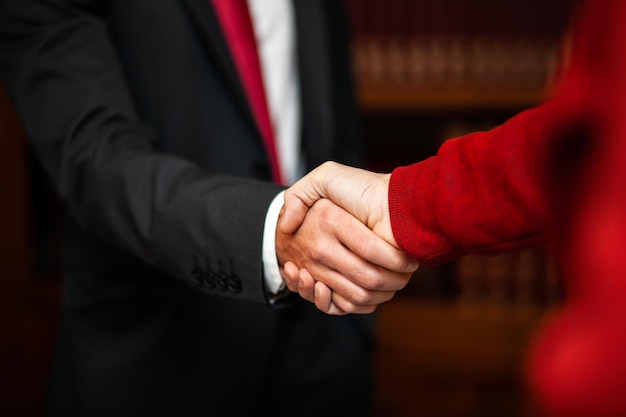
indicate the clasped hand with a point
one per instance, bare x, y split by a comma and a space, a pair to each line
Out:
335, 244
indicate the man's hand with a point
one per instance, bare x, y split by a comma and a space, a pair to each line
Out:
364, 195
361, 193
343, 254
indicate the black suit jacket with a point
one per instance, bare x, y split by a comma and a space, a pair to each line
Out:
136, 112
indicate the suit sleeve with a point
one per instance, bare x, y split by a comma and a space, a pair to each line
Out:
62, 73
482, 193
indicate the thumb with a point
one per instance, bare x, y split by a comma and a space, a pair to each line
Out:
298, 199
293, 214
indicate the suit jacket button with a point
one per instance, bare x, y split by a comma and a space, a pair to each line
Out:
220, 282
209, 279
234, 284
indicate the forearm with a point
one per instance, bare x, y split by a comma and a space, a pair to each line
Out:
68, 87
481, 193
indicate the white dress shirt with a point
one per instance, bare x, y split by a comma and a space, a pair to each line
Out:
274, 28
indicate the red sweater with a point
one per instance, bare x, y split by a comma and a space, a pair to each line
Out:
480, 194
558, 171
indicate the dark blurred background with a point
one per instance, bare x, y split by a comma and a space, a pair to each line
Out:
453, 342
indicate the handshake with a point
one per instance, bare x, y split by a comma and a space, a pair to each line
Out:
335, 244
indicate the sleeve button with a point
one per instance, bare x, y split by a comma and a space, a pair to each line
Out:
209, 279
234, 284
220, 282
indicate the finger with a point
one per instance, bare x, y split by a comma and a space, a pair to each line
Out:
292, 215
341, 269
351, 268
322, 297
306, 285
361, 258
366, 244
320, 294
353, 294
353, 298
297, 201
347, 307
290, 276
323, 300
335, 311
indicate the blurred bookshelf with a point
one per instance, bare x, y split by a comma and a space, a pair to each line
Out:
425, 55
452, 343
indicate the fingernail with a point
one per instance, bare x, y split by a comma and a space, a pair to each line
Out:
300, 285
413, 265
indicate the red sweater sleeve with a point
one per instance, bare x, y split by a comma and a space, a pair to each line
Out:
479, 194
484, 192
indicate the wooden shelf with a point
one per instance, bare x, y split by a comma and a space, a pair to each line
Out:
451, 358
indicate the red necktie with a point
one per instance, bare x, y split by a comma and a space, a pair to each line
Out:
236, 23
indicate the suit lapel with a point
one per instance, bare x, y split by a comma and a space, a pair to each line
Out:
314, 68
315, 79
206, 21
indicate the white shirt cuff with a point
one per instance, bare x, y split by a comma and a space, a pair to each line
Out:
273, 281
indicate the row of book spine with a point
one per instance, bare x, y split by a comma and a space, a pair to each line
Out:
477, 43
451, 62
524, 278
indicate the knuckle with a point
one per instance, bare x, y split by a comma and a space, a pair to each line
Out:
332, 216
372, 280
368, 246
361, 297
317, 252
376, 282
326, 165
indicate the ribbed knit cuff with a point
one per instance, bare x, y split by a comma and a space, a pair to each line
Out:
413, 215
